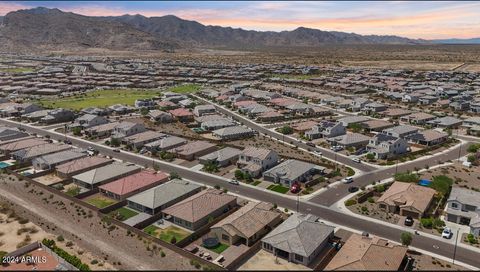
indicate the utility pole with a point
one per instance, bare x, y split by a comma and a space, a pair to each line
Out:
298, 200
455, 248
396, 167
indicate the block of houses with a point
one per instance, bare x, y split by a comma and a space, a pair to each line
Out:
29, 153
196, 211
292, 171
384, 146
138, 140
78, 166
354, 119
401, 131
125, 129
247, 225
395, 113
446, 122
358, 103
201, 110
471, 121
88, 121
303, 126
362, 253
144, 103
192, 150
182, 115
326, 129
126, 186
418, 118
355, 140
35, 116
427, 99
223, 157
49, 161
299, 239
155, 199
406, 199
428, 137
9, 134
270, 116
233, 133
463, 207
159, 116
255, 160
165, 143
58, 116
98, 176
376, 125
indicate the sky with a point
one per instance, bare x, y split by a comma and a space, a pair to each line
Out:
412, 19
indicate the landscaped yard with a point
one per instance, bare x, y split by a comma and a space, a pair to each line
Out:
219, 248
123, 213
100, 98
255, 183
185, 88
167, 234
278, 188
100, 201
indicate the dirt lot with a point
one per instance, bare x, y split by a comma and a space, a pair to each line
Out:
48, 179
428, 263
83, 227
464, 177
264, 260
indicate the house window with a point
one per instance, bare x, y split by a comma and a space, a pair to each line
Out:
470, 208
454, 205
382, 206
267, 246
225, 237
299, 258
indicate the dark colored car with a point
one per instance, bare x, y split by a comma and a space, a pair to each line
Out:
116, 150
352, 189
295, 188
310, 144
67, 142
409, 221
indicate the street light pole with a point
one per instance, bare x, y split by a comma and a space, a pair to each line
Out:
455, 248
298, 200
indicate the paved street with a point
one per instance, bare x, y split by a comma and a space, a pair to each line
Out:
432, 245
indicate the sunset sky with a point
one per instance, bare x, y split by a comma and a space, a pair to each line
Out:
413, 19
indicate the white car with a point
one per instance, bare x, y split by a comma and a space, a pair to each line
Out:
357, 160
233, 181
447, 233
347, 180
317, 152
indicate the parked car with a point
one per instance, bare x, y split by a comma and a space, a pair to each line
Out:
116, 150
317, 152
357, 160
336, 148
310, 144
447, 233
352, 189
347, 180
90, 148
67, 142
234, 182
408, 221
295, 188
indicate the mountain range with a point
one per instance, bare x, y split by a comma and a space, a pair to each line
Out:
52, 29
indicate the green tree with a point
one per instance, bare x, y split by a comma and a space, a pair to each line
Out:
473, 148
286, 130
77, 131
115, 142
174, 175
238, 174
144, 111
471, 158
406, 238
370, 156
355, 127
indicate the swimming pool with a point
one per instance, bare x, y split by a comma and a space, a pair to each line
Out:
4, 165
424, 182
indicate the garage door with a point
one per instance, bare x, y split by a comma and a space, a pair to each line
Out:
409, 213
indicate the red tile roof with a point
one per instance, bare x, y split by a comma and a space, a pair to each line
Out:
180, 112
134, 182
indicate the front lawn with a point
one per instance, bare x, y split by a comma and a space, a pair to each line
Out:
167, 234
278, 188
100, 98
123, 213
255, 183
219, 248
100, 201
185, 88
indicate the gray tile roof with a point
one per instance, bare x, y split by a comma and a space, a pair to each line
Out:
232, 131
164, 193
291, 169
222, 154
106, 172
59, 157
299, 234
465, 196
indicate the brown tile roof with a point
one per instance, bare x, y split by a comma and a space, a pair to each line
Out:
17, 145
249, 219
199, 205
367, 253
408, 195
83, 163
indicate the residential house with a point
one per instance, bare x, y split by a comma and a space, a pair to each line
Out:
125, 129
217, 123
368, 253
155, 199
401, 131
29, 153
201, 110
98, 176
374, 107
326, 129
447, 122
104, 130
463, 207
9, 134
222, 157
58, 116
384, 146
428, 137
376, 125
197, 210
419, 118
49, 161
406, 199
354, 119
182, 115
233, 133
355, 140
88, 121
193, 150
299, 239
138, 140
292, 171
471, 121
255, 160
129, 185
427, 99
165, 143
74, 167
359, 103
395, 113
247, 225
145, 103
159, 116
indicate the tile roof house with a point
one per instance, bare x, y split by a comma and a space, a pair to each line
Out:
51, 160
129, 185
126, 129
376, 125
292, 171
101, 130
57, 116
8, 134
255, 160
217, 123
166, 143
193, 150
160, 116
247, 225
348, 120
88, 120
384, 146
445, 122
395, 113
195, 211
203, 109
78, 166
98, 176
7, 148
407, 199
155, 199
29, 153
418, 118
326, 129
182, 114
356, 140
233, 133
401, 131
428, 137
140, 139
362, 253
222, 157
298, 239
463, 207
